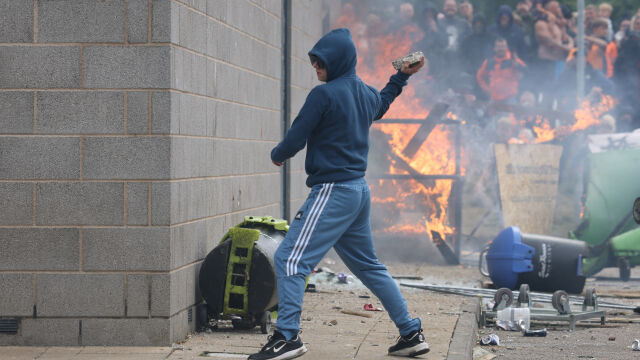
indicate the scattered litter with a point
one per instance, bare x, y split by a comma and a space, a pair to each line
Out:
177, 347
514, 319
539, 333
491, 339
508, 325
612, 338
364, 297
329, 261
369, 307
344, 278
333, 322
356, 313
636, 345
407, 277
223, 355
310, 288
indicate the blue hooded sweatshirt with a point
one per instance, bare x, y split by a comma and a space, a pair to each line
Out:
335, 118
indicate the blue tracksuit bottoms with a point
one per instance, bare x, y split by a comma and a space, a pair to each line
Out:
334, 215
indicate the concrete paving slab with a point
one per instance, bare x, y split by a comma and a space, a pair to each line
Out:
353, 337
125, 350
21, 352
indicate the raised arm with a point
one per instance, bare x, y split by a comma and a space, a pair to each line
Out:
395, 85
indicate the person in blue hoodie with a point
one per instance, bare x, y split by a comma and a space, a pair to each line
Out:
334, 125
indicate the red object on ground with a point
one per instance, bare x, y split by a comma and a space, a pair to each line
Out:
369, 307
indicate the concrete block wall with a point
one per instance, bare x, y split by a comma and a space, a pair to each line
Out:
224, 107
81, 93
133, 134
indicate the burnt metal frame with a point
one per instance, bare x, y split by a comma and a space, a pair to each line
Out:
457, 178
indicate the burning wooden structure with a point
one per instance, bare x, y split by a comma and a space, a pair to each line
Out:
409, 170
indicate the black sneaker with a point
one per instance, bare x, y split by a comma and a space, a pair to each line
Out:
410, 345
278, 348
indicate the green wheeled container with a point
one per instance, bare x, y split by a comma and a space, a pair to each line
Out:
607, 224
238, 278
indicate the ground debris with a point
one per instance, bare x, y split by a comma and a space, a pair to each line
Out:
355, 313
407, 277
482, 354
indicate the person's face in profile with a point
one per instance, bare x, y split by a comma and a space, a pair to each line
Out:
321, 70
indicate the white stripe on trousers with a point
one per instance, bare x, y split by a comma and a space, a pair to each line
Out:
307, 228
313, 226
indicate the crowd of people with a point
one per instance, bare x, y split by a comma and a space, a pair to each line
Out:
527, 57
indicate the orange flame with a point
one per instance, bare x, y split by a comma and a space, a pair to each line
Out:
424, 203
588, 115
544, 133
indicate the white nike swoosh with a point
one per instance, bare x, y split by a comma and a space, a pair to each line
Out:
276, 349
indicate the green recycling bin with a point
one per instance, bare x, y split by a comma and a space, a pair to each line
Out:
238, 278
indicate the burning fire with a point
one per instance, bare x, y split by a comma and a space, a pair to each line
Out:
588, 115
424, 203
543, 130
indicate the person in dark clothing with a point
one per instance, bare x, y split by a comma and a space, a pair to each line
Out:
567, 14
627, 76
506, 28
453, 28
477, 46
523, 17
432, 43
334, 125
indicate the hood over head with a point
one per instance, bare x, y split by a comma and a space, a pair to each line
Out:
505, 10
338, 52
479, 18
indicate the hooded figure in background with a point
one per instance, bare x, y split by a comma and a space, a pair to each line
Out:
506, 28
334, 126
478, 45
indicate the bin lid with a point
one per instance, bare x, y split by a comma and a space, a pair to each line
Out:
507, 256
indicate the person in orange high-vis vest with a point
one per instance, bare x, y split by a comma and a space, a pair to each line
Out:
600, 56
500, 76
611, 54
